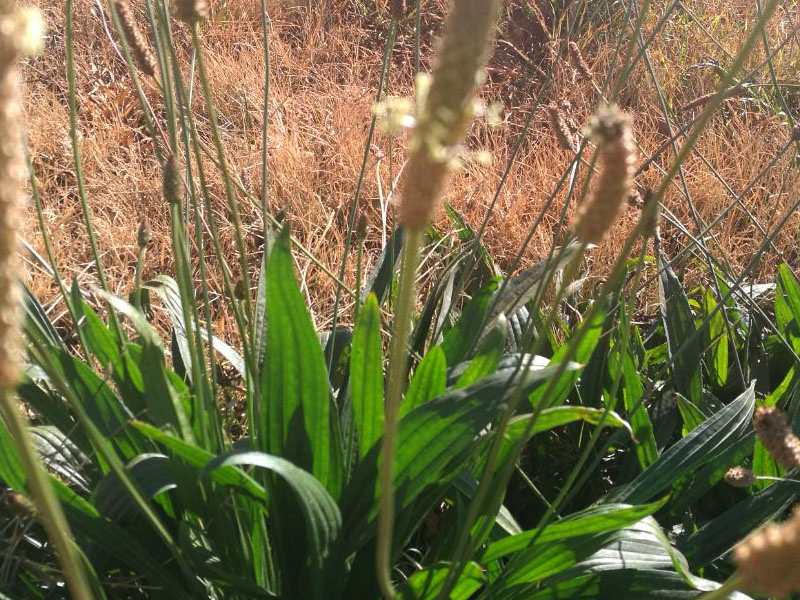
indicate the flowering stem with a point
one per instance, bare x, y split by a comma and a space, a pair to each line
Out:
398, 369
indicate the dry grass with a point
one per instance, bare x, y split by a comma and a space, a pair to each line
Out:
326, 63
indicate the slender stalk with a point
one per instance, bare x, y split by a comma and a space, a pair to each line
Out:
72, 103
223, 165
265, 27
398, 371
351, 214
19, 35
137, 277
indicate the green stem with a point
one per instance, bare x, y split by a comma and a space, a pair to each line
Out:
48, 507
230, 194
137, 279
398, 370
72, 104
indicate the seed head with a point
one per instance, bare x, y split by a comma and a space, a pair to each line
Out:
190, 11
138, 43
361, 227
559, 126
239, 290
447, 108
144, 235
739, 477
398, 9
21, 33
796, 133
701, 101
16, 31
172, 185
774, 431
611, 130
580, 63
768, 560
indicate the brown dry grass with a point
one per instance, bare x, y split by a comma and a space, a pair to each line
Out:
326, 62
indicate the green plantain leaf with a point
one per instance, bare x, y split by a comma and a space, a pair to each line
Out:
37, 324
459, 340
434, 443
633, 394
294, 419
380, 279
541, 561
12, 473
427, 583
630, 584
684, 345
164, 404
199, 458
103, 345
691, 414
150, 472
718, 536
597, 519
702, 445
488, 355
791, 289
102, 405
717, 339
311, 504
166, 288
429, 381
366, 376
585, 346
549, 418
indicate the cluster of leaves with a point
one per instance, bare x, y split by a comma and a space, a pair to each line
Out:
645, 418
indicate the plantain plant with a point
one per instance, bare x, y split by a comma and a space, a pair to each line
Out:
360, 475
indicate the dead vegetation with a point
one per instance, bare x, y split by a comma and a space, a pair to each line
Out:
325, 65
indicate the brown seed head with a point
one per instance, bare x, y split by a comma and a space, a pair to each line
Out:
701, 101
768, 560
172, 185
144, 235
739, 477
448, 107
559, 126
611, 130
138, 43
361, 227
190, 11
398, 8
16, 37
774, 431
20, 505
239, 290
580, 63
538, 16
